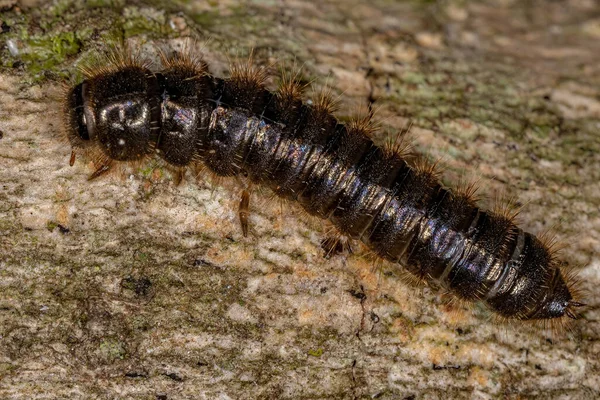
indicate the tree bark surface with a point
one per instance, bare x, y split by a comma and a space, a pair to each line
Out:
132, 287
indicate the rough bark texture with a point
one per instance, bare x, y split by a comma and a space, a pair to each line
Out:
131, 287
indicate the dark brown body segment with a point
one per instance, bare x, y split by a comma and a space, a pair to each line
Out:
333, 171
184, 116
401, 213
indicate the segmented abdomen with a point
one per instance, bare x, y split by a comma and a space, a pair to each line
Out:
400, 212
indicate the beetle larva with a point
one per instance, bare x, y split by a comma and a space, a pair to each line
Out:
234, 126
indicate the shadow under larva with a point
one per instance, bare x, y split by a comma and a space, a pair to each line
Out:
123, 111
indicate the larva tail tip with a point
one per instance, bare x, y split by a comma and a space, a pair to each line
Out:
574, 286
570, 312
567, 306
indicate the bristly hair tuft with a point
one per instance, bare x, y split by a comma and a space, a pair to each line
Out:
324, 101
507, 207
363, 123
186, 59
335, 243
291, 86
468, 190
551, 243
116, 58
423, 165
574, 284
247, 74
401, 146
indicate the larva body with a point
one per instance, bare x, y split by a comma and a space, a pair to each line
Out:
334, 171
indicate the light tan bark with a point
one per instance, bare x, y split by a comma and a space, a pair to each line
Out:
130, 287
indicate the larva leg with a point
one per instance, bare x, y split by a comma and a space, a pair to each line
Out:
335, 243
243, 211
179, 176
101, 170
72, 159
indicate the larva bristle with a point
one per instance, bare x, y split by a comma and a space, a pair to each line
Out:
455, 309
364, 124
215, 180
247, 74
334, 245
199, 172
65, 90
575, 286
290, 88
550, 241
310, 220
424, 166
324, 102
411, 279
449, 298
468, 190
335, 242
104, 167
177, 173
506, 212
377, 267
401, 146
555, 328
93, 154
270, 198
507, 207
245, 88
367, 255
288, 98
510, 233
116, 58
186, 59
359, 249
377, 263
79, 148
282, 204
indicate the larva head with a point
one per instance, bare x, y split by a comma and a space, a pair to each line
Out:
115, 111
75, 119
